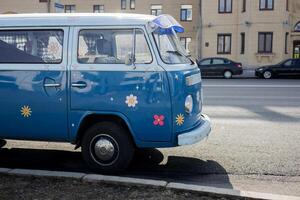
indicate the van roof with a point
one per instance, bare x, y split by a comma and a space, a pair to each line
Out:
73, 19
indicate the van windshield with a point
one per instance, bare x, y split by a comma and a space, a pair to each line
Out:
170, 49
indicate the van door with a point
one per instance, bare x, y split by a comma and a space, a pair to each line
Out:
104, 82
33, 84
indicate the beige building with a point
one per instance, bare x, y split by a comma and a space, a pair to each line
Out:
254, 32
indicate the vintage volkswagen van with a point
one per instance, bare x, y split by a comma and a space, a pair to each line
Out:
108, 83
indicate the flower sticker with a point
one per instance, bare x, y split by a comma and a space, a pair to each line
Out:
26, 111
180, 119
131, 100
159, 120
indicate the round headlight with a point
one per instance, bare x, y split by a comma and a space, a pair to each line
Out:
188, 104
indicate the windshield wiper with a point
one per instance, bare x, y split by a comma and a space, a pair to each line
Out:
175, 52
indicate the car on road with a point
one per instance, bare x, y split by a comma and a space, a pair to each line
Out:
289, 67
108, 83
219, 67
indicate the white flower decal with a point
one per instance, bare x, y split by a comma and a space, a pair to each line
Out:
131, 100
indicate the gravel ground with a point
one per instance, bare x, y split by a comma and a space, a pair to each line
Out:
23, 188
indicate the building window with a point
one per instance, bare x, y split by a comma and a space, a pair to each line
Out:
265, 42
132, 4
286, 43
43, 1
186, 13
123, 4
224, 43
186, 41
244, 6
156, 10
297, 27
242, 43
266, 4
70, 8
287, 5
225, 6
98, 8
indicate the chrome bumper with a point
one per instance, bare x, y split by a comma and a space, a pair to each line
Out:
197, 134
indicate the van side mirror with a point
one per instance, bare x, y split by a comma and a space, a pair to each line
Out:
128, 59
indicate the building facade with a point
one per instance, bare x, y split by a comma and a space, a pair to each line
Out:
254, 32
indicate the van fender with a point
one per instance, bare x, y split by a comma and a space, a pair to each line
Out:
77, 133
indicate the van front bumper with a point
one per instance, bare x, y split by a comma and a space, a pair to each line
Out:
197, 134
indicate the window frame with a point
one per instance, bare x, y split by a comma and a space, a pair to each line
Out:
243, 43
134, 29
185, 19
40, 63
224, 35
99, 6
286, 43
266, 8
155, 9
244, 6
265, 43
123, 4
225, 7
132, 4
70, 6
185, 42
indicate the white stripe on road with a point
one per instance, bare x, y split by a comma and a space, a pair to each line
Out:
255, 86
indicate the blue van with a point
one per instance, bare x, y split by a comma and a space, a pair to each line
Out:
108, 83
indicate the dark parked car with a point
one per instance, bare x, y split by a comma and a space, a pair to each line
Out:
219, 67
289, 67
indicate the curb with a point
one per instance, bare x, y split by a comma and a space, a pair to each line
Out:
210, 191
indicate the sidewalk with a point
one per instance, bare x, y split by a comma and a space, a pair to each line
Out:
26, 187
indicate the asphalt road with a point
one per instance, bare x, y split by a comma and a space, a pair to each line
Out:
254, 143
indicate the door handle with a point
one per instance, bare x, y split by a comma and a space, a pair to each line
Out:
52, 85
79, 84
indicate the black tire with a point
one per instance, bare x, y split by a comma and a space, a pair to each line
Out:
107, 134
267, 74
2, 143
227, 74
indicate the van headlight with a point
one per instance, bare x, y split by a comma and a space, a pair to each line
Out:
188, 105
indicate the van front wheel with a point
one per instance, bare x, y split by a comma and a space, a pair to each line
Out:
107, 148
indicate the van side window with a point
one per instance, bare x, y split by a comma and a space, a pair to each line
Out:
104, 46
31, 46
142, 51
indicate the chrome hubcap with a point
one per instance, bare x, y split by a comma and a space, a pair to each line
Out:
104, 150
227, 74
267, 74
